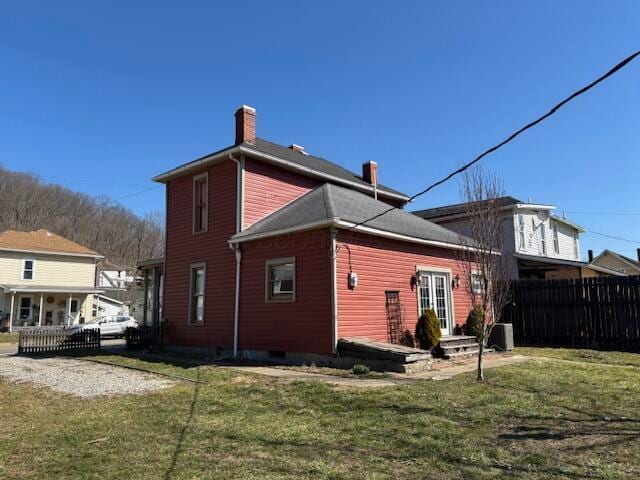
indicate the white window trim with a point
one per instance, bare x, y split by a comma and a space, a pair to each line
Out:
33, 269
30, 297
521, 232
479, 274
205, 228
267, 280
556, 238
543, 238
192, 268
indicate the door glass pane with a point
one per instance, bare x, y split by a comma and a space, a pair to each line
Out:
441, 301
425, 293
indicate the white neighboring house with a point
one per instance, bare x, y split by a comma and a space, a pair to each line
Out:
536, 243
45, 279
113, 277
106, 306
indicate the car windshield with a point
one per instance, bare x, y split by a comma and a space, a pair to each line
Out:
99, 319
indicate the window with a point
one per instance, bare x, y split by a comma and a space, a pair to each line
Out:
556, 242
622, 270
200, 201
521, 229
576, 250
25, 308
281, 280
196, 301
74, 306
477, 283
543, 239
28, 269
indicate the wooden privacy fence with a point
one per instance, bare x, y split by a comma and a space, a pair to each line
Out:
600, 313
142, 336
52, 340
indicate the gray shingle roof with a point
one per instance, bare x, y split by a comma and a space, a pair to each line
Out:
310, 165
458, 208
315, 163
330, 201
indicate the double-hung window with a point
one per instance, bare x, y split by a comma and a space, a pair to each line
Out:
198, 275
477, 282
556, 241
521, 230
28, 269
200, 203
543, 239
280, 280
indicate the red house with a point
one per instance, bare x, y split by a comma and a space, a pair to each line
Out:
265, 254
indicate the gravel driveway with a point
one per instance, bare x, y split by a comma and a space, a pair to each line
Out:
79, 378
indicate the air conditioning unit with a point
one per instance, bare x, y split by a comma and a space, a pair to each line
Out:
501, 337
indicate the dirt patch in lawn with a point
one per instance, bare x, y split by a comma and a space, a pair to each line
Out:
79, 378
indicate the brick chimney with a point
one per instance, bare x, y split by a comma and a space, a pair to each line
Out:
370, 172
590, 253
245, 124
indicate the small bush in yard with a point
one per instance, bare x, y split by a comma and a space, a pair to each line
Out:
474, 322
428, 330
360, 369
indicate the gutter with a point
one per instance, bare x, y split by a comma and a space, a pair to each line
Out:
336, 222
243, 149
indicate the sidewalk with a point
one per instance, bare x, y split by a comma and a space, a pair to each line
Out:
443, 371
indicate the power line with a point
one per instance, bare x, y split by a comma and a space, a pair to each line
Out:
604, 213
551, 112
137, 193
614, 237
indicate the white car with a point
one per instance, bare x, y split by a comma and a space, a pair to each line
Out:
111, 325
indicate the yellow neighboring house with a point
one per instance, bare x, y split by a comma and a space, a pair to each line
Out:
45, 279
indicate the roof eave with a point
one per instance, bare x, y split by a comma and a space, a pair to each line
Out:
47, 252
244, 149
346, 225
239, 238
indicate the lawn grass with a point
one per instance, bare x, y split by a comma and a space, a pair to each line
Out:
535, 420
9, 337
581, 355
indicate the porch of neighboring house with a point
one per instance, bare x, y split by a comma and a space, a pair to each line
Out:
150, 313
27, 307
546, 268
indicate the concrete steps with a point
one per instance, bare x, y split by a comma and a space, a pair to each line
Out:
384, 356
456, 347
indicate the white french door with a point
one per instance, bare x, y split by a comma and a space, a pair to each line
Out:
435, 293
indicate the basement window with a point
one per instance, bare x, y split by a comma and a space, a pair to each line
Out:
280, 280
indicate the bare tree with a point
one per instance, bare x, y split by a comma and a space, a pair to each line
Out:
486, 273
27, 203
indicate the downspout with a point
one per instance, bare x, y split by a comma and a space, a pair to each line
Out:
236, 248
239, 226
334, 293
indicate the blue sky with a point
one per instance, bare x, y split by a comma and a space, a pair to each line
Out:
101, 96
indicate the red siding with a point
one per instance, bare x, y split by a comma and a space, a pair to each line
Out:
302, 326
268, 188
381, 265
184, 248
